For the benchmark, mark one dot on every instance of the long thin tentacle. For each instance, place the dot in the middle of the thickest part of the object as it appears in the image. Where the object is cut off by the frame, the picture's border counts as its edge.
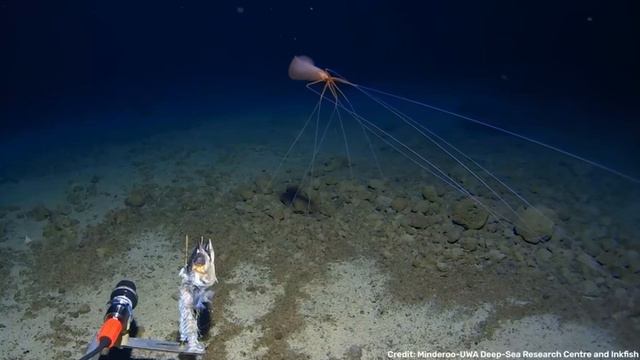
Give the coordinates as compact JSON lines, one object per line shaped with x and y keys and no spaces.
{"x":364,"y":131}
{"x":417,"y":158}
{"x":413,"y":122}
{"x":506,"y":131}
{"x":294,"y":142}
{"x":430,"y":135}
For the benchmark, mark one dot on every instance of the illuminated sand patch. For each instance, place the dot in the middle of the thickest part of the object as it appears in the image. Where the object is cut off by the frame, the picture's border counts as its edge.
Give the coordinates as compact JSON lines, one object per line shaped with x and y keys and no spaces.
{"x":254,"y":297}
{"x":547,"y":333}
{"x":353,"y":312}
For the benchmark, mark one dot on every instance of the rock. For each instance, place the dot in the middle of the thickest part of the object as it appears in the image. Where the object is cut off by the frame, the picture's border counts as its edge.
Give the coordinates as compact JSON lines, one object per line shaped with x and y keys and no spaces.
{"x":241,"y":207}
{"x":92,"y":190}
{"x":564,"y":215}
{"x":608,"y":244}
{"x":420,"y":262}
{"x":211,"y":180}
{"x":64,"y":209}
{"x":617,"y":271}
{"x":383,"y":202}
{"x":468,"y":243}
{"x":315,"y":183}
{"x":560,"y":234}
{"x":429,"y":193}
{"x":407,"y":239}
{"x":634,"y":306}
{"x":76,"y":194}
{"x":419,"y":221}
{"x":276,"y":213}
{"x":534,"y":225}
{"x":60,"y":227}
{"x":263,"y":184}
{"x":442,"y":266}
{"x":245,"y":193}
{"x":620,"y":294}
{"x":422,"y":207}
{"x":190,"y":206}
{"x":608,"y":258}
{"x":493,"y":227}
{"x":336,"y":163}
{"x":330,"y":180}
{"x":190,"y":202}
{"x":567,"y":275}
{"x":83,"y":309}
{"x":39,"y":213}
{"x":590,"y":289}
{"x":631,"y":281}
{"x":327,"y":208}
{"x":588,"y":262}
{"x":363,"y":194}
{"x":353,"y":353}
{"x":301,"y":206}
{"x":496,"y":255}
{"x":376,"y":184}
{"x":298,"y":200}
{"x":542,"y":256}
{"x":120,"y":217}
{"x":457,"y":253}
{"x":399,"y":204}
{"x":453,"y":234}
{"x":437,"y":238}
{"x":630,"y":258}
{"x":347,"y":187}
{"x":136,"y":198}
{"x":591,"y":247}
{"x":469,"y":214}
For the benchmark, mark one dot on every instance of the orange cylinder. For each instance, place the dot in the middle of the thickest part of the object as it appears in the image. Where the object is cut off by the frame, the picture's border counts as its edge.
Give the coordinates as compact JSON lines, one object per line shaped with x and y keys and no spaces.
{"x":111,"y":329}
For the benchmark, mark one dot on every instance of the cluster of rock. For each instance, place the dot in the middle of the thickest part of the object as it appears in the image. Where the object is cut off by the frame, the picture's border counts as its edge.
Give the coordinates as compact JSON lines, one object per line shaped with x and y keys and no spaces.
{"x":79,"y":196}
{"x":461,"y":229}
{"x":137,"y":197}
{"x":438,"y":231}
{"x":466,"y":231}
{"x":59,"y":227}
{"x":3,"y":224}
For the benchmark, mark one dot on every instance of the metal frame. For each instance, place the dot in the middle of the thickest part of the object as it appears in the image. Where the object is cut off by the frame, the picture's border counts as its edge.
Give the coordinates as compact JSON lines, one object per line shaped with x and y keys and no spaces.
{"x":148,"y":344}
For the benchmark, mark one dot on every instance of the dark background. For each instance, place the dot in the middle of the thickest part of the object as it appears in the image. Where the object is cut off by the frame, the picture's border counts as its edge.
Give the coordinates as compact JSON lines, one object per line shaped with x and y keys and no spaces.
{"x":72,"y":60}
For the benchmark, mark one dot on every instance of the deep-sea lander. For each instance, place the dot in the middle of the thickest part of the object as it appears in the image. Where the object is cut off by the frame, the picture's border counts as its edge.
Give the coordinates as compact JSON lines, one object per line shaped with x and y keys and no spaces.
{"x":116,"y":333}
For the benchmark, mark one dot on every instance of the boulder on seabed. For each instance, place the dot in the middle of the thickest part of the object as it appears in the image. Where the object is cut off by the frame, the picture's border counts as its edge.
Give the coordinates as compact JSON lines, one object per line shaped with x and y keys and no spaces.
{"x":377,"y":184}
{"x":39,"y":213}
{"x":469,"y":214}
{"x":429,"y":193}
{"x":137,"y":197}
{"x":399,"y":204}
{"x":420,"y":221}
{"x":263,"y":184}
{"x":535,"y":224}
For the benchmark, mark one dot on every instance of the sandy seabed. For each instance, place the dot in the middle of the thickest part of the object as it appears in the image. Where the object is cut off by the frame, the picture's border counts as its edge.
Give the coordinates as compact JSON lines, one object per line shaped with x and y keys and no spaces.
{"x":377,"y":266}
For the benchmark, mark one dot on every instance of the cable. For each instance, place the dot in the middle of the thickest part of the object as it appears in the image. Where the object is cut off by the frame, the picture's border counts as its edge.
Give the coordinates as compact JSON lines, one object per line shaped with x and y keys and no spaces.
{"x":104,"y":342}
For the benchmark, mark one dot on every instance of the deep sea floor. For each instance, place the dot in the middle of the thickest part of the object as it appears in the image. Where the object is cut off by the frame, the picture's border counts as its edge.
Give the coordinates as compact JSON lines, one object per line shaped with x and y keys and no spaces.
{"x":379,"y":259}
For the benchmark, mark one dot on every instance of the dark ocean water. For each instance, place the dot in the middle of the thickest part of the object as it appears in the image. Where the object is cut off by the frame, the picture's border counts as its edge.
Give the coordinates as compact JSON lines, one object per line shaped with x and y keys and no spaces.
{"x":569,"y":69}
